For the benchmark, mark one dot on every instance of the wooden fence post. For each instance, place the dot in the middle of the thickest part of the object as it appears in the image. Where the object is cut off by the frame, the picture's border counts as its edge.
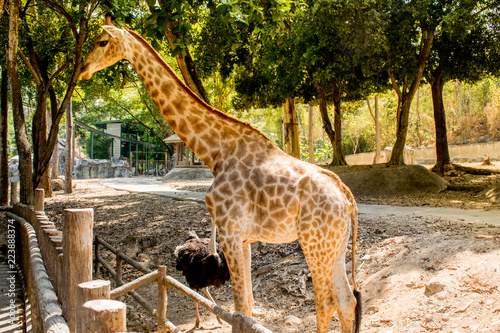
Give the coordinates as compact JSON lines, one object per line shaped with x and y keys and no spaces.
{"x":77,"y":257}
{"x":237,"y":323}
{"x":162,"y":300}
{"x":39,"y":197}
{"x":119,"y":262}
{"x":88,"y":291}
{"x":14,"y":193}
{"x":104,"y":316}
{"x":97,"y":253}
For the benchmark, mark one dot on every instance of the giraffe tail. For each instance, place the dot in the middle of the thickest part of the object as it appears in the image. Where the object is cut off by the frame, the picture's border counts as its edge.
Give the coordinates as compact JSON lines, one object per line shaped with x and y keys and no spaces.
{"x":356,"y":292}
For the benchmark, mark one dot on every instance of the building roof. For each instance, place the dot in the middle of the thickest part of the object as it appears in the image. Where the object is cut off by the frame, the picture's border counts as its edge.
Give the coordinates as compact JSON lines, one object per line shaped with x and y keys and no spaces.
{"x":173,"y":139}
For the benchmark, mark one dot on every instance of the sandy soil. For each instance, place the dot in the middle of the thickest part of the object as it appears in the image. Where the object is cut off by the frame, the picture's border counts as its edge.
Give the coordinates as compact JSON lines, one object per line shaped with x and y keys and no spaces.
{"x":417,"y":274}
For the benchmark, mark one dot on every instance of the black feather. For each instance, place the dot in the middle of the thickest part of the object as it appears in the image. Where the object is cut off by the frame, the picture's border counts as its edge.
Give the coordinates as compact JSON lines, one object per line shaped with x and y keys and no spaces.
{"x":199,"y":267}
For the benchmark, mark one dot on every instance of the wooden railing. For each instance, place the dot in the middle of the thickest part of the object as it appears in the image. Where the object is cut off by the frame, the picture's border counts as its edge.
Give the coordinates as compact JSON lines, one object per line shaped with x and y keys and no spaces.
{"x":239,"y":323}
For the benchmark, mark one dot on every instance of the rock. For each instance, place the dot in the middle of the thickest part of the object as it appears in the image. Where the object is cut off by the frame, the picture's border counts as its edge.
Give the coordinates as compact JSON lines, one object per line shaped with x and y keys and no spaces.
{"x":437,"y":285}
{"x":366,"y":257}
{"x":371,"y":309}
{"x":264,"y":269}
{"x":433,"y":288}
{"x":491,"y":193}
{"x":131,"y":247}
{"x":292,"y":321}
{"x":115,"y":167}
{"x":57,"y":184}
{"x":143,"y":259}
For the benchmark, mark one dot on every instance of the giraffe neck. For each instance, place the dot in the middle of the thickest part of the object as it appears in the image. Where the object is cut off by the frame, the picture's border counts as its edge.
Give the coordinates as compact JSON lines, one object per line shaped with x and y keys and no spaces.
{"x":209,"y":133}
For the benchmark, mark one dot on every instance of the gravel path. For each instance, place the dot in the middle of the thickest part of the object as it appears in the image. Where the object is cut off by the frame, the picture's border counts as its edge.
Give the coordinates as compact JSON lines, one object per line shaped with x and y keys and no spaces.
{"x":168,"y":189}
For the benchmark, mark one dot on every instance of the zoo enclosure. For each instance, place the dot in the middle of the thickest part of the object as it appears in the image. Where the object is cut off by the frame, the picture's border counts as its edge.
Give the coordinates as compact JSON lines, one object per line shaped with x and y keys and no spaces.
{"x":58,"y":270}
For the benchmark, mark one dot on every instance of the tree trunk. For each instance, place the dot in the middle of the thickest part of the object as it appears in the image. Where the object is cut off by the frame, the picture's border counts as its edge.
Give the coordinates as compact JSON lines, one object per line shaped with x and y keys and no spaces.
{"x":188,"y":70}
{"x":461,"y":105}
{"x":442,"y":153}
{"x":55,"y":162}
{"x":338,"y":150}
{"x":40,"y":123}
{"x":287,"y":147}
{"x":470,"y":102}
{"x":311,"y":139}
{"x":4,"y":130}
{"x":55,"y":152}
{"x":23,"y":144}
{"x":405,"y":97}
{"x":323,"y":110}
{"x":291,"y":127}
{"x":417,"y":109}
{"x":397,"y":157}
{"x":374,"y":115}
{"x":185,"y":62}
{"x":68,"y":184}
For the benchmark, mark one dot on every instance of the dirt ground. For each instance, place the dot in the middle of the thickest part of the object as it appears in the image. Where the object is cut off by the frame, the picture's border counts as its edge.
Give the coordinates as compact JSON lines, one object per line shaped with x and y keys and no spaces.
{"x":416,"y":273}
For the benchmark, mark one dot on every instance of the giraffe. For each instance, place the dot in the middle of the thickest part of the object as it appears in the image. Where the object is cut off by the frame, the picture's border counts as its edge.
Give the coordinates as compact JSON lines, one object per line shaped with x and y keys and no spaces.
{"x":259,"y":193}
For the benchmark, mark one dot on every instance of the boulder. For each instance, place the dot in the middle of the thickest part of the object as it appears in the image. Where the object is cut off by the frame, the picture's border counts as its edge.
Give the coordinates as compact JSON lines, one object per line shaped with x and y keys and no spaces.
{"x":57,"y":184}
{"x":381,"y":179}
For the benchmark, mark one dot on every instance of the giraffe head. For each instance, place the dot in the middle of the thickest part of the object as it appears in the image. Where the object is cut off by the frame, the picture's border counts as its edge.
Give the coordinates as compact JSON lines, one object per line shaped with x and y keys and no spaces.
{"x":108,"y":49}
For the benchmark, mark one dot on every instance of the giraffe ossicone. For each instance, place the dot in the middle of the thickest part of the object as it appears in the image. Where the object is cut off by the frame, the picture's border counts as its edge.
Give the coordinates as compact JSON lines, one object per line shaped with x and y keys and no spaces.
{"x":259,"y":193}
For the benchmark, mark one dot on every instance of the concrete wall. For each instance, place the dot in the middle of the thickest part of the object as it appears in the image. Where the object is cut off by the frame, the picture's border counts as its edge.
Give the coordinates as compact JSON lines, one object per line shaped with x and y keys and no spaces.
{"x":475,"y":152}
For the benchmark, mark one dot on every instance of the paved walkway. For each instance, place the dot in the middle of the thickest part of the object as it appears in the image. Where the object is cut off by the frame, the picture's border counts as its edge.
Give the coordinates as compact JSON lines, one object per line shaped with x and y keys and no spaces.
{"x":152,"y":186}
{"x":155,"y":186}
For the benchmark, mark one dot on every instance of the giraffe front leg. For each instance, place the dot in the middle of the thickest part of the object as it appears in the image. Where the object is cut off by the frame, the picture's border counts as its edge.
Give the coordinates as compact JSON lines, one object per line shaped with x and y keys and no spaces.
{"x":247,"y":252}
{"x":235,"y":257}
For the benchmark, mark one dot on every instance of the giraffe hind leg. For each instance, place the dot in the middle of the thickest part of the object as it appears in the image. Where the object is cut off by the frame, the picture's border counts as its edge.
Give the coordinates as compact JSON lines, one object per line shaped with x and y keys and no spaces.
{"x":324,"y":298}
{"x":349,"y":302}
{"x":322,"y":270}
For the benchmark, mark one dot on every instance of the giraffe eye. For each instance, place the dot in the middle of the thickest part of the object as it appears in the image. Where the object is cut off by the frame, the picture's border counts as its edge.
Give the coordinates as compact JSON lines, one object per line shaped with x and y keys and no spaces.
{"x":103,"y":43}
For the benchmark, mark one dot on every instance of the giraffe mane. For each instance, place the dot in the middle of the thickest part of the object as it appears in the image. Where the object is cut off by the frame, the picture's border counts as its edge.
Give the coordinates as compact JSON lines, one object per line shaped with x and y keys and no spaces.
{"x":188,"y":90}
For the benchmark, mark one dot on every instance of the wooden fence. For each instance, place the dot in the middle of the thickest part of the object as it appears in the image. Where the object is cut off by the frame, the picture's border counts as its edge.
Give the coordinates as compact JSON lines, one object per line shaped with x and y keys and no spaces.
{"x":58,"y":275}
{"x":239,"y":323}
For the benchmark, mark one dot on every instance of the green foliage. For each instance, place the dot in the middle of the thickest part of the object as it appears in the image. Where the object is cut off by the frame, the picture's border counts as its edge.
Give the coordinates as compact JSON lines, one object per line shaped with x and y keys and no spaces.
{"x":462,"y":47}
{"x":251,"y":55}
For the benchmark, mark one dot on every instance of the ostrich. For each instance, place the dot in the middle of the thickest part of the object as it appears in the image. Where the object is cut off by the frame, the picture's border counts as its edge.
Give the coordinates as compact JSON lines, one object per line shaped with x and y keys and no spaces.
{"x":200,"y":268}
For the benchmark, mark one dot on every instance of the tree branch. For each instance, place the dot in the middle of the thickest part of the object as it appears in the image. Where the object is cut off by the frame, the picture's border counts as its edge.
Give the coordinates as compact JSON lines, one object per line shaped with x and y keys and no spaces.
{"x":132,"y":115}
{"x":370,"y":108}
{"x":394,"y":83}
{"x":28,"y":64}
{"x":155,"y":118}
